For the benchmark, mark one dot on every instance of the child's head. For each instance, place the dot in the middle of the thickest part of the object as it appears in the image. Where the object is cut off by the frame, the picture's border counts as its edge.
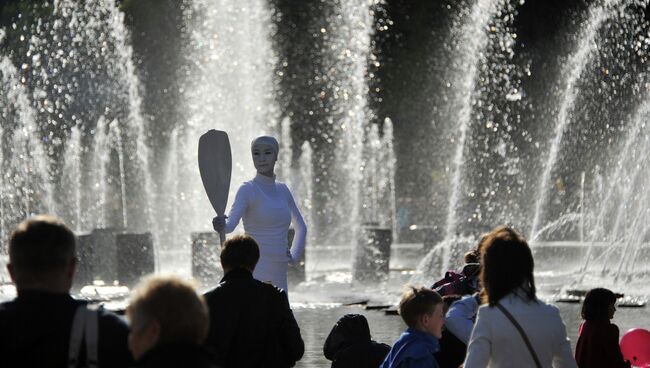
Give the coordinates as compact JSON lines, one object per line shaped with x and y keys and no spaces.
{"x":165,"y":309}
{"x":422,"y":309}
{"x":599,"y":305}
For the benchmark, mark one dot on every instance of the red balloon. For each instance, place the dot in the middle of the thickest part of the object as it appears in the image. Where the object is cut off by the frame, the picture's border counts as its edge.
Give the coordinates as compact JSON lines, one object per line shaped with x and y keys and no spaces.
{"x":635,"y":346}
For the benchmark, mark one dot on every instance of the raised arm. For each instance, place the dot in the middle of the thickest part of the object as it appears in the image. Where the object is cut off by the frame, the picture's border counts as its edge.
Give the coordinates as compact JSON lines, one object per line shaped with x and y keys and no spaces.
{"x":299,"y":239}
{"x":460,"y":318}
{"x":562,"y":355}
{"x":480,"y":343}
{"x":239,"y":206}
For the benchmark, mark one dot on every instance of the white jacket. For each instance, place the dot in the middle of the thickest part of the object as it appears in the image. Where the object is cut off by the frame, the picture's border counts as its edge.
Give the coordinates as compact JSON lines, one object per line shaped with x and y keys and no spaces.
{"x":496,"y":343}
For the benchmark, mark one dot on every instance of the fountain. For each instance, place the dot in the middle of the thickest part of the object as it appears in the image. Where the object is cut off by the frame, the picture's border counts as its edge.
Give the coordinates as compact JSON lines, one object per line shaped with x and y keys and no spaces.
{"x":573,"y":70}
{"x":76,"y":141}
{"x":476,"y":25}
{"x":26,"y":185}
{"x":625,"y":234}
{"x":544,"y":129}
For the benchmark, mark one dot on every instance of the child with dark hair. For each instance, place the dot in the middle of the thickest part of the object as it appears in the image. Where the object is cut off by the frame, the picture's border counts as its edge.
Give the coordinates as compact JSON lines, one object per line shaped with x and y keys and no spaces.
{"x":422,"y":311}
{"x":349,"y":344}
{"x":597,"y":337}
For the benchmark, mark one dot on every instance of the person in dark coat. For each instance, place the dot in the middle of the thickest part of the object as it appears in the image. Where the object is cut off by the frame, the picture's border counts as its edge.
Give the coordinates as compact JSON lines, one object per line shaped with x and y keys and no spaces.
{"x":349,"y":344}
{"x":251,"y":322}
{"x":598,"y":338}
{"x":176,"y":356}
{"x":35,"y":326}
{"x":169,"y":322}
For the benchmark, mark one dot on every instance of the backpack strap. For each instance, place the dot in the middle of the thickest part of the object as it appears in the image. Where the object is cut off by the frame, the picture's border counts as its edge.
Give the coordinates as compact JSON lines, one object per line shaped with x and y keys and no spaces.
{"x":522,"y":333}
{"x":91,"y":334}
{"x":85,"y":327}
{"x":76,"y":336}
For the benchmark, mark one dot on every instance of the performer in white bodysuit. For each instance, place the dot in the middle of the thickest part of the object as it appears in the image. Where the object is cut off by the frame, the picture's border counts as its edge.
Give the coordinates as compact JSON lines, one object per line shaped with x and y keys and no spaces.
{"x":267,"y":209}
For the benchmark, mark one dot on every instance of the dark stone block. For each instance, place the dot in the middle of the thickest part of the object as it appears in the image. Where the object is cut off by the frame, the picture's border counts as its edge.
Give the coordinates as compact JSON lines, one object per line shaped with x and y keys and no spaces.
{"x":206,"y":265}
{"x":104,"y":253}
{"x":111,"y":255}
{"x":135,"y":257}
{"x":372,"y":256}
{"x":86,"y":261}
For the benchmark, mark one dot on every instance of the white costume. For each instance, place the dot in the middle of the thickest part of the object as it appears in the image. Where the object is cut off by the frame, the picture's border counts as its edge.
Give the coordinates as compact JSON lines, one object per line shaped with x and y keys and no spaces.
{"x":267,"y":209}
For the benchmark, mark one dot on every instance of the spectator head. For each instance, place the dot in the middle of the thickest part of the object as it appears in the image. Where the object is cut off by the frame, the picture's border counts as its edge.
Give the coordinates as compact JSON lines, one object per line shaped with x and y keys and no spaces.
{"x":165,"y":309}
{"x":481,"y":243}
{"x":349,"y":330}
{"x":599,"y":305}
{"x":422,"y":309}
{"x":240,"y":251}
{"x":506,"y":265}
{"x":471,"y":257}
{"x":42,"y":255}
{"x":474,"y":255}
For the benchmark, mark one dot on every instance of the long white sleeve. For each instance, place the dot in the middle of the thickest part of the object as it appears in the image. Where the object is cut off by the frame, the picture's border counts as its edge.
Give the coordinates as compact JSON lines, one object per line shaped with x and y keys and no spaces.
{"x":300,"y":237}
{"x":497,"y":343}
{"x":562,"y":355}
{"x":480,"y":344}
{"x":460,"y":318}
{"x":239,"y":206}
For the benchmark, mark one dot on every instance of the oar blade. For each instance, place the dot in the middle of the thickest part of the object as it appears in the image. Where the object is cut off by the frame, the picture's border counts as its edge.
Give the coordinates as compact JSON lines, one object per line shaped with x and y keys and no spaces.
{"x":215,"y":165}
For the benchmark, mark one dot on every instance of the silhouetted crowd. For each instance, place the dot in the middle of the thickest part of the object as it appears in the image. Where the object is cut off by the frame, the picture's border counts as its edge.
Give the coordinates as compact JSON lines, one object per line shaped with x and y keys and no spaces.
{"x":487,"y":315}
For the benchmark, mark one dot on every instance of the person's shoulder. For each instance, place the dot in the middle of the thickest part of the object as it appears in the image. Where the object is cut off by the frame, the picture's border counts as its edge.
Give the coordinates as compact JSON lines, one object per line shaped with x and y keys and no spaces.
{"x":486,"y":309}
{"x":547,"y":314}
{"x":112,"y":319}
{"x":283,"y":186}
{"x":246,"y":185}
{"x":7,"y":305}
{"x":379,"y":346}
{"x":270,"y":288}
{"x":548,"y":308}
{"x":212,"y":292}
{"x":233,"y":286}
{"x":272,"y":292}
{"x":418,"y":350}
{"x":218,"y":291}
{"x":491,"y":315}
{"x":7,"y":310}
{"x":613,"y":328}
{"x":113,"y":337}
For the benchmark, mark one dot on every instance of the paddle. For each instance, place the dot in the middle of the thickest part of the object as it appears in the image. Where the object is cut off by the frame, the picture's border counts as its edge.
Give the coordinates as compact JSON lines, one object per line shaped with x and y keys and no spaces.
{"x":215,"y":165}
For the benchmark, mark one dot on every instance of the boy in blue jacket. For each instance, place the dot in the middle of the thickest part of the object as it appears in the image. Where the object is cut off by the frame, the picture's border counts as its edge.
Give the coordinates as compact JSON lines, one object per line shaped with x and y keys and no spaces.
{"x":421,"y":310}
